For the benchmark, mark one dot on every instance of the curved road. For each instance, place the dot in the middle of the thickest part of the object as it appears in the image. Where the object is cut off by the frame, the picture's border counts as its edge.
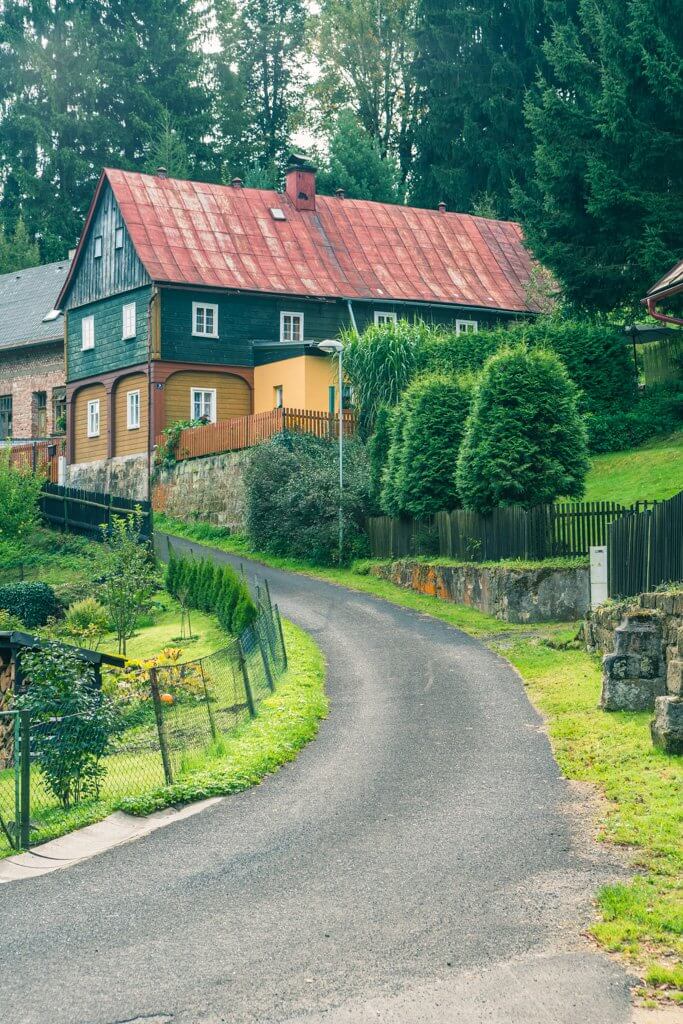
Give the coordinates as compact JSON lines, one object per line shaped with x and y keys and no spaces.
{"x":417,"y":864}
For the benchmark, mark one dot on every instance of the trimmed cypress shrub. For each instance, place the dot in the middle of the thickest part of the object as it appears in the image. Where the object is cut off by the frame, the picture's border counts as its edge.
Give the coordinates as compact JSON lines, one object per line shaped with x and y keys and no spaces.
{"x":438,"y":409}
{"x":389,"y":497}
{"x":245,"y":611}
{"x":525,"y":442}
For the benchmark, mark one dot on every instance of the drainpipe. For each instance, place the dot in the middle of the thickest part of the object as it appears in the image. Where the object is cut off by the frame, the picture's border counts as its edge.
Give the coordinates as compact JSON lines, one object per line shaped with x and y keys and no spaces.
{"x":149,"y":396}
{"x":651,"y":304}
{"x":351,"y":316}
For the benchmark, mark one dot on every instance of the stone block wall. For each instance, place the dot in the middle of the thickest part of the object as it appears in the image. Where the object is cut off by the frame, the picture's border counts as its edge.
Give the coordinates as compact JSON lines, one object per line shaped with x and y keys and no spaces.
{"x":125,"y":476}
{"x":513,"y":595}
{"x":209,"y":489}
{"x":643,"y":669}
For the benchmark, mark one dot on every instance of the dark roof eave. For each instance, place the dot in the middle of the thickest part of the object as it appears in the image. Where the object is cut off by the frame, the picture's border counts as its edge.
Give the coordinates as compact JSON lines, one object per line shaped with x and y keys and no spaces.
{"x":422,"y":303}
{"x":12,"y":346}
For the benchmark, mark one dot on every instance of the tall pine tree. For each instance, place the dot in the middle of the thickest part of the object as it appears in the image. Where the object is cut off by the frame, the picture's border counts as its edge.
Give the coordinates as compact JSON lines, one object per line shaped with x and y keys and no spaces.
{"x":604,"y":210}
{"x":80,"y":85}
{"x":366,"y":52}
{"x":260,"y":78}
{"x":475,"y":63}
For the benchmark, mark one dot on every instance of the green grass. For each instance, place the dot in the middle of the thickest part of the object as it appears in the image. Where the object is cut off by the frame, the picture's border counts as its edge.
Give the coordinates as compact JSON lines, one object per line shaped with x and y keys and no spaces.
{"x":165,"y":631}
{"x":643,"y":788}
{"x":286,"y":721}
{"x":654,"y":471}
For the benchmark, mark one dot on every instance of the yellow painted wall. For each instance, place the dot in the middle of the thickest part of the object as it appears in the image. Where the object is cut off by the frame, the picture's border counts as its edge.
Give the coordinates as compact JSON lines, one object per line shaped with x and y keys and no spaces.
{"x":233,"y":395}
{"x":90,"y":449}
{"x":305,"y":381}
{"x":128,"y":442}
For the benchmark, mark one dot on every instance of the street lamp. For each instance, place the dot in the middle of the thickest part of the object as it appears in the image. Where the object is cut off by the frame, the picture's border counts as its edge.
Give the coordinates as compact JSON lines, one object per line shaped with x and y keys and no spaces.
{"x":332,"y":346}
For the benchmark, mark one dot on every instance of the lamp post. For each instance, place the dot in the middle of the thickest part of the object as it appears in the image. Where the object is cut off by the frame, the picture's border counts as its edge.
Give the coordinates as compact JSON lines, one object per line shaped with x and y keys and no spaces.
{"x":332,"y":346}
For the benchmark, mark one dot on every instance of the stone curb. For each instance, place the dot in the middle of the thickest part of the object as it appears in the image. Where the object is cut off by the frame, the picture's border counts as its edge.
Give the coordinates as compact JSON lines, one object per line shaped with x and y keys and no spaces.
{"x":87,"y":842}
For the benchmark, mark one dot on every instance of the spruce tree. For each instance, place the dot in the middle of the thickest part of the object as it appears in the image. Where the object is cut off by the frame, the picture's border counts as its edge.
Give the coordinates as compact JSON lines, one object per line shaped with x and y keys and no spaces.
{"x":475,"y":63}
{"x":525,"y":442}
{"x":604,"y":208}
{"x":19,"y":250}
{"x":354,"y":163}
{"x":439,"y":406}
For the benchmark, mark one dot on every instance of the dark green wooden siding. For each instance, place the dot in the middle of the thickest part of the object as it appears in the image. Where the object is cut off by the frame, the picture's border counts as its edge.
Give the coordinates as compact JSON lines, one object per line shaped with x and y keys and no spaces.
{"x":111,"y":352}
{"x":243,"y":319}
{"x":116,"y":270}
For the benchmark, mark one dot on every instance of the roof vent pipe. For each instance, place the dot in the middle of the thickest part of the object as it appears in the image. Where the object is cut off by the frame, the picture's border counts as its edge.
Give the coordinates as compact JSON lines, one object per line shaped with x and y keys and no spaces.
{"x":162,"y":172}
{"x":340,"y":193}
{"x":441,"y":207}
{"x":237,"y":183}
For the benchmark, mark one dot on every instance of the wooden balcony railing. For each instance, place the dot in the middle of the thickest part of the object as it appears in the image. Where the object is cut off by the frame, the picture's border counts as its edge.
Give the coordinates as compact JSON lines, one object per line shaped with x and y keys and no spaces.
{"x":246,"y":431}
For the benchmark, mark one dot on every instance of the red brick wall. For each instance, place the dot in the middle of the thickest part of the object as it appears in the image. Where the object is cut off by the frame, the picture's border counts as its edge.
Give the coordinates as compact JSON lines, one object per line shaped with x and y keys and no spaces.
{"x":28,"y":370}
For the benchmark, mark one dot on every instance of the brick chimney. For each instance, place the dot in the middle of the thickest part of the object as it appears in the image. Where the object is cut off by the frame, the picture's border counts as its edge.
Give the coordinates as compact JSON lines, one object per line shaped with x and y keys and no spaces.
{"x":300,"y":182}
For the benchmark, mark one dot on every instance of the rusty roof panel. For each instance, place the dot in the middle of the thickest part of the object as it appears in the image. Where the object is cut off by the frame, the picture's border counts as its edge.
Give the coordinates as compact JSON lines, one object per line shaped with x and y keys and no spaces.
{"x":217,"y":236}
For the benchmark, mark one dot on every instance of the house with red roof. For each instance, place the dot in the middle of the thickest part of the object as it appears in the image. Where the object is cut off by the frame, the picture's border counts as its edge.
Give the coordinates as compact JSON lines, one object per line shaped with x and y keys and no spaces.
{"x":190,"y":300}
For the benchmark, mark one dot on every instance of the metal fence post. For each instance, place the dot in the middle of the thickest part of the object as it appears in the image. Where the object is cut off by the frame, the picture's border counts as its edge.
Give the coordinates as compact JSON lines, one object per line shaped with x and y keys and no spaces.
{"x":282,"y":635}
{"x":264,"y":657}
{"x":161,"y":726}
{"x":25,"y":780}
{"x":245,"y":676}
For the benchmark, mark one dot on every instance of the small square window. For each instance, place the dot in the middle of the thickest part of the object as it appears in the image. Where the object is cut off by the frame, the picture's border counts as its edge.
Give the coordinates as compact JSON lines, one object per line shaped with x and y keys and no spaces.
{"x":466,"y":326}
{"x":118,"y":238}
{"x":205,"y":320}
{"x":87,"y":332}
{"x":278,"y":396}
{"x":203,"y":404}
{"x":291,"y":327}
{"x":94,"y":418}
{"x":133,"y":407}
{"x":383,"y":316}
{"x":97,"y":251}
{"x":128,"y":315}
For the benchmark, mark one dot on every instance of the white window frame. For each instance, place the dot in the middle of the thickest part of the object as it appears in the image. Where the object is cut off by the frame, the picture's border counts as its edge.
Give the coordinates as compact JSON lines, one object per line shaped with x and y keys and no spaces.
{"x":384,"y":316}
{"x":128,"y":321}
{"x":300,"y":318}
{"x":118,"y":238}
{"x":279,"y":396}
{"x":133,"y":406}
{"x":98,"y":245}
{"x":87,"y":333}
{"x":196,"y":306}
{"x":203,"y":391}
{"x":92,"y":413}
{"x":466,"y":326}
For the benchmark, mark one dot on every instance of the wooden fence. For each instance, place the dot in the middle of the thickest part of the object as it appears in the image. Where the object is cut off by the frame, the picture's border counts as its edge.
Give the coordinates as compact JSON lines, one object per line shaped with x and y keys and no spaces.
{"x":246,"y":431}
{"x":39,"y":456}
{"x":87,"y":512}
{"x":645,"y":549}
{"x":566,"y":529}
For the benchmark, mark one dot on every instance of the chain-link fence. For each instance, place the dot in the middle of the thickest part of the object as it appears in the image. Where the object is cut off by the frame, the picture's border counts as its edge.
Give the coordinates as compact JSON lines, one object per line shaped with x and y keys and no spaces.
{"x":64,"y":771}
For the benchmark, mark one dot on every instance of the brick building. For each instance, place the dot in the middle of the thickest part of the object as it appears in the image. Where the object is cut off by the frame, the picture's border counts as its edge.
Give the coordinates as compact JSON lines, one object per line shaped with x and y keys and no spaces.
{"x":32,"y":374}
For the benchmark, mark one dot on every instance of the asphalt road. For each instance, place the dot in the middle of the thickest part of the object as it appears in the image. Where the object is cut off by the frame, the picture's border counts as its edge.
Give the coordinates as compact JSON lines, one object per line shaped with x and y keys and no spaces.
{"x":419,"y":863}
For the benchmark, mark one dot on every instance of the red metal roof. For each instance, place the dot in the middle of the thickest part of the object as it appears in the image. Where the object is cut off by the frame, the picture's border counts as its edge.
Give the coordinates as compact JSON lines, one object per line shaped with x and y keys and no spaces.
{"x":189,"y":232}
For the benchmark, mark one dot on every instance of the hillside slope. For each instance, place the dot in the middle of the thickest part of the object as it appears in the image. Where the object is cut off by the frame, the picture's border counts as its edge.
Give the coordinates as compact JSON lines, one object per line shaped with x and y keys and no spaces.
{"x":654,"y":471}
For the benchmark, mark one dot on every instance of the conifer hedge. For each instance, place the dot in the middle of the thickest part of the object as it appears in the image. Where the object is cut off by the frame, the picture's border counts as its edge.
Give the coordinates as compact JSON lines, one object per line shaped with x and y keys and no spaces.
{"x":200,"y":583}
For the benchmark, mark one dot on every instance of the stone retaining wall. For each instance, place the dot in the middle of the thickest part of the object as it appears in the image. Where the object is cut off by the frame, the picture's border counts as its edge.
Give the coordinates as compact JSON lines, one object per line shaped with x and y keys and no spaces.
{"x":513,"y":595}
{"x":124,"y":476}
{"x":210,"y":489}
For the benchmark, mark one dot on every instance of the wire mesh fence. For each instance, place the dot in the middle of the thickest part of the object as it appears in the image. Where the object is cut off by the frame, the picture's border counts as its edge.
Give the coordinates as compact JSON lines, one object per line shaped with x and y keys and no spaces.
{"x":63,"y":771}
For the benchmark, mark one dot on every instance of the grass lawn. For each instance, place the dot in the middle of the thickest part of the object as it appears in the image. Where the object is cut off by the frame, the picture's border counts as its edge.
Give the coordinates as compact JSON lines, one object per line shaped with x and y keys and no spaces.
{"x":163,"y":629}
{"x":643,"y":788}
{"x":654,"y":471}
{"x":237,"y":759}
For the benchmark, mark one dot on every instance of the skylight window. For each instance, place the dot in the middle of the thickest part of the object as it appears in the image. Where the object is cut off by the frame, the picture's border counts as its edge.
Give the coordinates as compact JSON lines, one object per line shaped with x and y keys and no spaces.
{"x":277,"y":214}
{"x":54,"y":314}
